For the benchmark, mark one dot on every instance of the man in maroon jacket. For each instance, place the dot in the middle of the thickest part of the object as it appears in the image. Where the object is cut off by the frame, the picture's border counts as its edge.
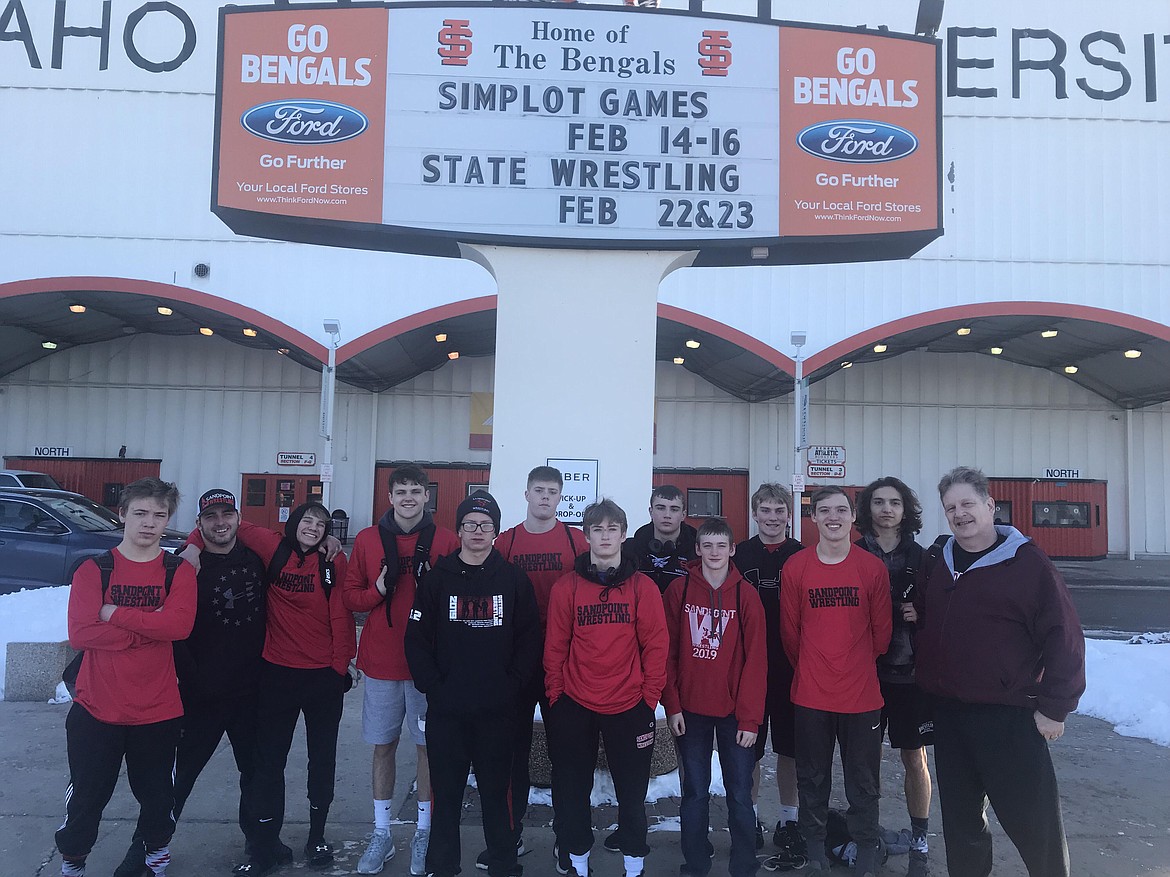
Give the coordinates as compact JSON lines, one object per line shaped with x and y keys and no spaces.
{"x":716,"y":682}
{"x":127,"y":704}
{"x":1001,"y":649}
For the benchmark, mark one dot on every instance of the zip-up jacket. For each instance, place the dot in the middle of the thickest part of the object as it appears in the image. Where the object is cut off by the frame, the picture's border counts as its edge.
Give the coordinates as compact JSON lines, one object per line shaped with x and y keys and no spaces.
{"x":380,"y":652}
{"x":473,"y":638}
{"x":760,"y":564}
{"x":128,"y":674}
{"x":835,"y":621}
{"x":903,"y":566}
{"x":717,"y":664}
{"x":1005,"y":631}
{"x":606,"y":641}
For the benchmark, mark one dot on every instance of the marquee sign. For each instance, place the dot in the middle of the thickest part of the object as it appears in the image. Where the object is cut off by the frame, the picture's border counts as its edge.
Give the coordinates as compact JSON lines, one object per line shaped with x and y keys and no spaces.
{"x":415,"y":128}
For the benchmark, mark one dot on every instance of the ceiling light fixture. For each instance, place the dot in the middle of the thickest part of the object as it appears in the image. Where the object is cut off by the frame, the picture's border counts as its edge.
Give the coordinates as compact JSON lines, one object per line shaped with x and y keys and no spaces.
{"x":204,"y":330}
{"x":693,"y":344}
{"x":77,"y":309}
{"x":963,"y":330}
{"x":164,"y":310}
{"x":996,"y":351}
{"x":879,"y":348}
{"x":49,"y":345}
{"x":454,"y":354}
{"x":251,"y":333}
{"x":1049,"y":333}
{"x":846,"y":364}
{"x":440,"y":337}
{"x":1132,"y":354}
{"x":1070,"y":369}
{"x":678,"y":360}
{"x":283,"y":351}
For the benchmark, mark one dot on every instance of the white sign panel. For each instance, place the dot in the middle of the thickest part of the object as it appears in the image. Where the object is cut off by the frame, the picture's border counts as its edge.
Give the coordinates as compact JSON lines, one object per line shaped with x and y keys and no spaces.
{"x":580,"y":488}
{"x":1062,"y":473}
{"x":816,"y":471}
{"x":295,"y":458}
{"x":326,"y":473}
{"x":52,"y":451}
{"x":827,"y":454}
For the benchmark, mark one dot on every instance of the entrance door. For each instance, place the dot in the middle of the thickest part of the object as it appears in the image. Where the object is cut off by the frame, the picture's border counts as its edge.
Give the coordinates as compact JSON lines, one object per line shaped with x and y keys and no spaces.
{"x":269,"y":499}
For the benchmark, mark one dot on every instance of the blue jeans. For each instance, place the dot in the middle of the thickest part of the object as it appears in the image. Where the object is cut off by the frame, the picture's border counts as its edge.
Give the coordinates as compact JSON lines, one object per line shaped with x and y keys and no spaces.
{"x":737,"y":763}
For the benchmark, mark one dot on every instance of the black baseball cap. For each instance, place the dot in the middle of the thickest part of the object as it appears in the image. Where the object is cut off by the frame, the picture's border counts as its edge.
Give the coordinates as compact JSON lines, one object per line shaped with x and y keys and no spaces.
{"x":217,"y":496}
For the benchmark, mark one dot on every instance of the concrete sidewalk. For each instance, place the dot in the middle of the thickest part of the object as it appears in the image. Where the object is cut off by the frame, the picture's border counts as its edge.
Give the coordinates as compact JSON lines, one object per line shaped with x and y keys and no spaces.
{"x":1114,"y":791}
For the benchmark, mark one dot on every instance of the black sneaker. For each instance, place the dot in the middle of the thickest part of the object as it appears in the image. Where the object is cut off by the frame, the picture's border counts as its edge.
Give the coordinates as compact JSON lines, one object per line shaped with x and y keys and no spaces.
{"x":319,"y":853}
{"x":564,"y":863}
{"x":134,"y":862}
{"x":788,"y":838}
{"x":759,"y":835}
{"x":611,"y":843}
{"x":481,"y":861}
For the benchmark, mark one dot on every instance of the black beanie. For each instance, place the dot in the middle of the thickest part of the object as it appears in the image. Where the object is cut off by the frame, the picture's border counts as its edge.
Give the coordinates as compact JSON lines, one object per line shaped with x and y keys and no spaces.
{"x":480,"y":501}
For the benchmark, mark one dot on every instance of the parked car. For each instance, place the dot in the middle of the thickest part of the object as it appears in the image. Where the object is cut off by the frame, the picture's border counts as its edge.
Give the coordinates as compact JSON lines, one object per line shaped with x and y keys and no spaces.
{"x":25,"y":478}
{"x":46,"y":534}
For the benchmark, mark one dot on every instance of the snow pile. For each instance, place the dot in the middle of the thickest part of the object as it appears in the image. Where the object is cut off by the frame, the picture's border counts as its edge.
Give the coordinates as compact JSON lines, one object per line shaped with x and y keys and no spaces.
{"x":1129,"y":686}
{"x":32,"y":616}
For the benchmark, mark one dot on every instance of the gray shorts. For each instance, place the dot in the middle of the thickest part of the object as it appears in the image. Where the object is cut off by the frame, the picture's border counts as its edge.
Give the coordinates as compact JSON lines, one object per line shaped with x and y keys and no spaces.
{"x":385,"y":703}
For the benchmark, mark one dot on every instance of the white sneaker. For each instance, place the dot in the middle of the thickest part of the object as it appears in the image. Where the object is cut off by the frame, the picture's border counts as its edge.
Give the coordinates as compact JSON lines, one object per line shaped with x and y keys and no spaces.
{"x":377,"y":854}
{"x":418,"y":852}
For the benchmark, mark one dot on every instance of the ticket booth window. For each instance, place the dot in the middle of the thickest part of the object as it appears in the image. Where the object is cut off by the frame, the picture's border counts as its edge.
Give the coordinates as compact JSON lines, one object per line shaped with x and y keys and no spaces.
{"x":704,"y":503}
{"x":473,"y":487}
{"x":1003,"y":513}
{"x":1060,"y":514}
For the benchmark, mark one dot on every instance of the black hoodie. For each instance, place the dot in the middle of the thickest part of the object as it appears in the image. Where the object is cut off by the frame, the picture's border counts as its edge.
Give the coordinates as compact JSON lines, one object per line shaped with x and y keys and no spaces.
{"x":473,"y":641}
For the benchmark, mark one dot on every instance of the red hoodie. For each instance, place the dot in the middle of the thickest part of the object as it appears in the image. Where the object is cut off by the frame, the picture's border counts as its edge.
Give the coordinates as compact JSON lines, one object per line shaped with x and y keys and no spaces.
{"x":835,"y":620}
{"x":303,"y":631}
{"x":128,"y":674}
{"x":718,"y":662}
{"x":381,"y":653}
{"x":605,"y":645}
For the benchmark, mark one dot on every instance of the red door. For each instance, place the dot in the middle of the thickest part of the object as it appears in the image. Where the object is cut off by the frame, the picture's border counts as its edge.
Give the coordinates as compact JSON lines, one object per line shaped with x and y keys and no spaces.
{"x":267,"y":500}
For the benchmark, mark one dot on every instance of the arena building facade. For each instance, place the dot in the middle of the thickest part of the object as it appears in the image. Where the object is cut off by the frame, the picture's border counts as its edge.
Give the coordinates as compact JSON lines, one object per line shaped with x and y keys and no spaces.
{"x":1056,"y":190}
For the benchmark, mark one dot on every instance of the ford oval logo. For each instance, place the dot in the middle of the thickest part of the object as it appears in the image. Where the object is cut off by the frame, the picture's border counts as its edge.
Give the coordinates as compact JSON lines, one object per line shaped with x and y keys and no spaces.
{"x":304,"y":121}
{"x":857,"y":141}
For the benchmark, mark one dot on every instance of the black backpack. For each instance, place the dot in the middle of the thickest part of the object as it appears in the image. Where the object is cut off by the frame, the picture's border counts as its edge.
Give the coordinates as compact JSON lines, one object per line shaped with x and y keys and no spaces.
{"x":105,"y":565}
{"x":420,"y":563}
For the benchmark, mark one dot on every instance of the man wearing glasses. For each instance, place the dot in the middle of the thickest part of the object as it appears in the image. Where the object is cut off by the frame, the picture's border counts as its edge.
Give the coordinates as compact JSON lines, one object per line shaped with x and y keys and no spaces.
{"x":473,"y":645}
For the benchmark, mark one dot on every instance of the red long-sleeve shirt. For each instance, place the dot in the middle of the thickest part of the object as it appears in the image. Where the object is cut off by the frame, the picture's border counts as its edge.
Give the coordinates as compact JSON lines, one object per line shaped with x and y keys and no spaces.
{"x":128,"y":674}
{"x":381,"y":653}
{"x":545,"y":557}
{"x":835,"y":619}
{"x":606,"y":654}
{"x":718,"y":661}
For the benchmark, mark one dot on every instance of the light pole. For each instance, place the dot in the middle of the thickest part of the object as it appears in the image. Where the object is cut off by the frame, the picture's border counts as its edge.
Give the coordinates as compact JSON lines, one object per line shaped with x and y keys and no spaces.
{"x":799,"y":431}
{"x":328,"y":387}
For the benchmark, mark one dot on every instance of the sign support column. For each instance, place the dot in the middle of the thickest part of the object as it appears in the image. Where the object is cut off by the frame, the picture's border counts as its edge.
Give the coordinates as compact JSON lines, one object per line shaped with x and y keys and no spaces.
{"x":575,"y":342}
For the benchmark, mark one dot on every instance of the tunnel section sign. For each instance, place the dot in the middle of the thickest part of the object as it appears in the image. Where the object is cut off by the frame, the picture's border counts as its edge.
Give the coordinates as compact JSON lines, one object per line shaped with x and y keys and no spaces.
{"x":414,"y":128}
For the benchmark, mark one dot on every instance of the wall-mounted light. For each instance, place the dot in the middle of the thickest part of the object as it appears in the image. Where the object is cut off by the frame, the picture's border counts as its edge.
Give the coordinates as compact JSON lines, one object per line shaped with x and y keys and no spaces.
{"x":759,"y":252}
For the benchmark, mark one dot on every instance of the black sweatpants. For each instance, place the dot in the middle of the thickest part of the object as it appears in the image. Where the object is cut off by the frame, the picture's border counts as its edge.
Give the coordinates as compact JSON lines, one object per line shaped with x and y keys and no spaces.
{"x":522,"y":747}
{"x":204,"y":724}
{"x":860,"y":738}
{"x":286,"y":693}
{"x":573,"y":733}
{"x":455,"y":744}
{"x":991,"y":751}
{"x":96,"y":750}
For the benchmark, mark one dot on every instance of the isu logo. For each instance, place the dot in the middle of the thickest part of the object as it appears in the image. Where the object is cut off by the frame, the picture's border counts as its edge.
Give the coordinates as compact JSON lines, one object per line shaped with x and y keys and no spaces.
{"x":715,"y":53}
{"x":455,"y":42}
